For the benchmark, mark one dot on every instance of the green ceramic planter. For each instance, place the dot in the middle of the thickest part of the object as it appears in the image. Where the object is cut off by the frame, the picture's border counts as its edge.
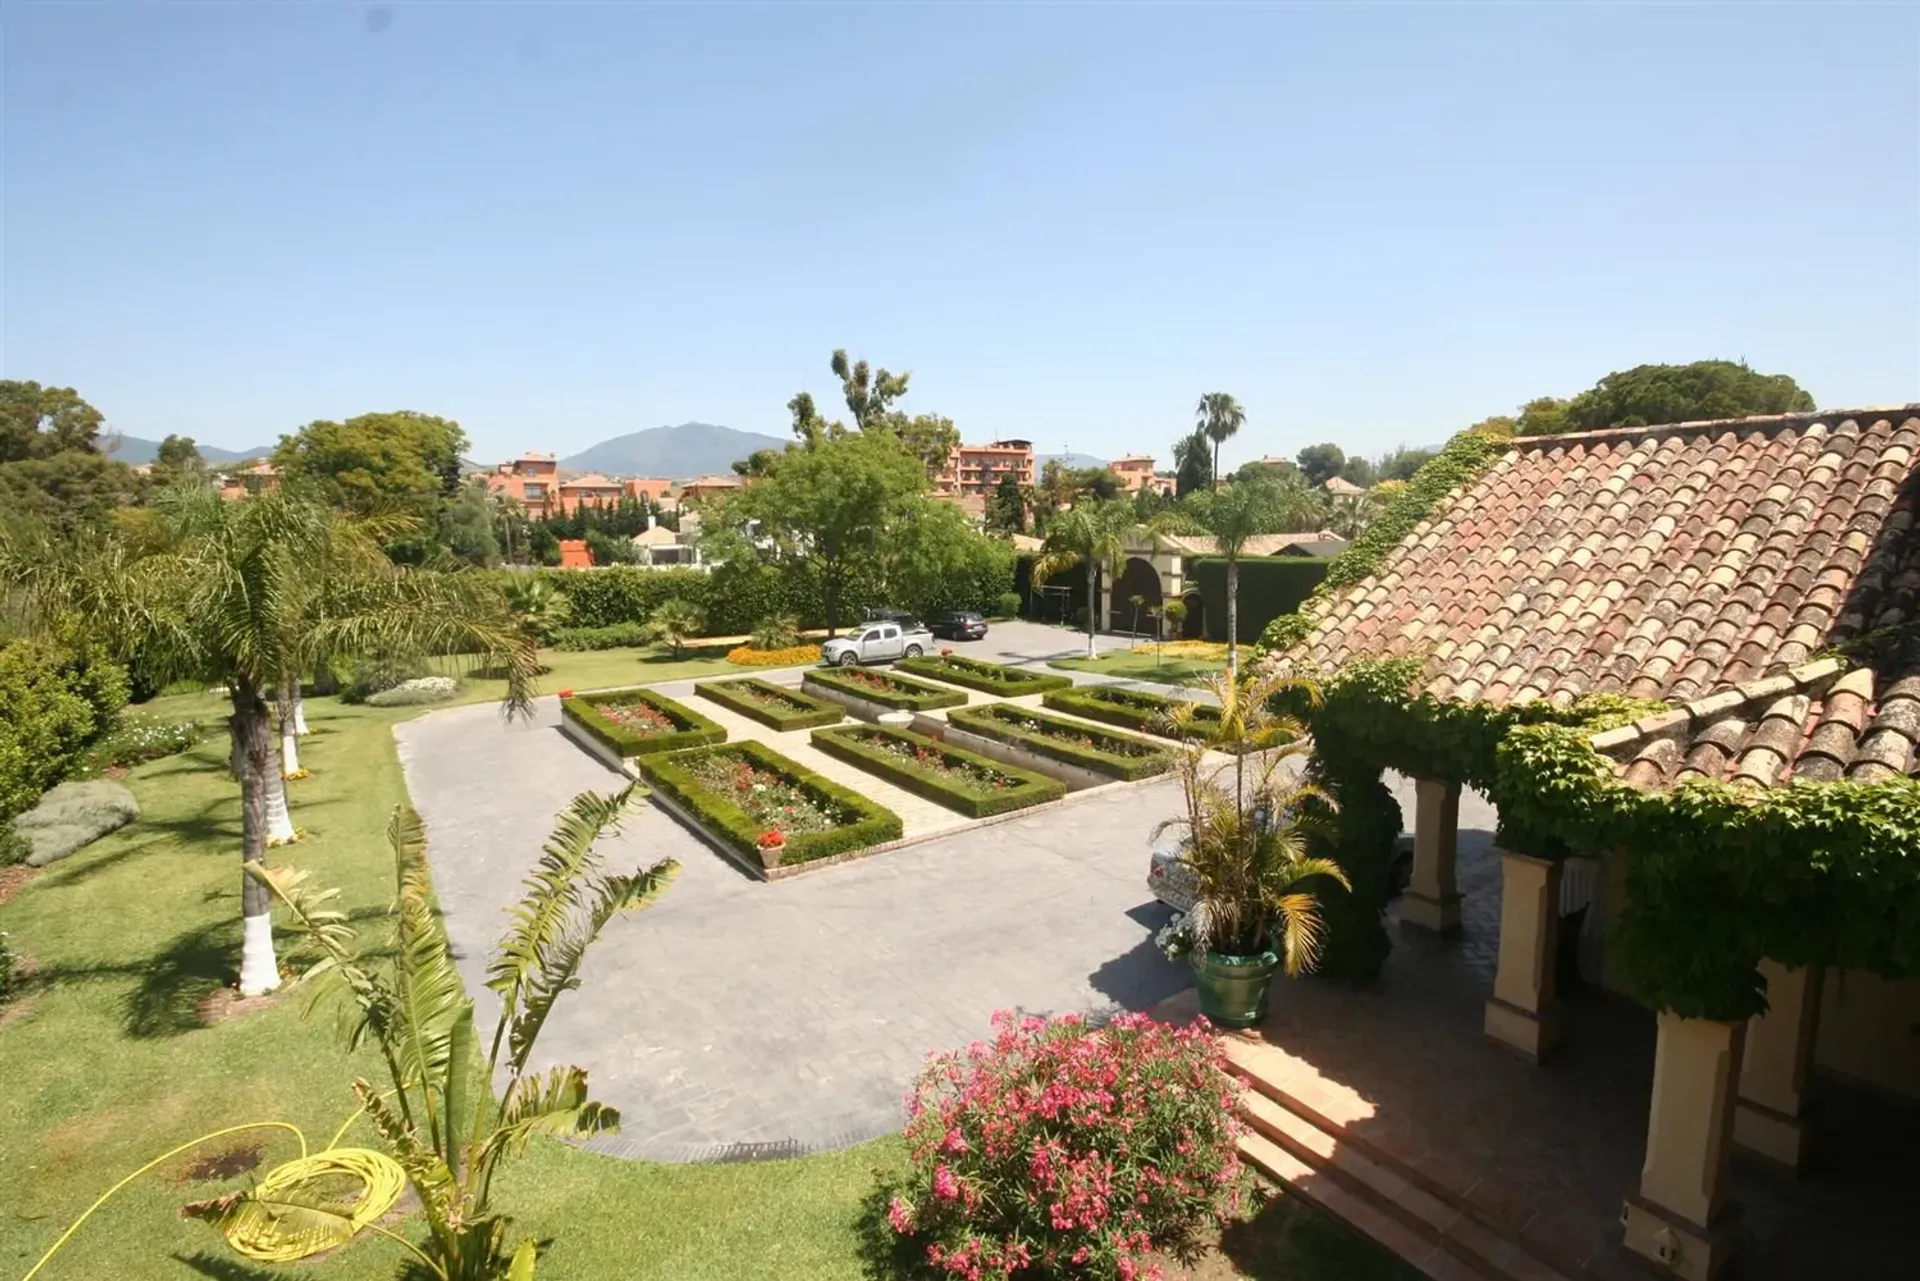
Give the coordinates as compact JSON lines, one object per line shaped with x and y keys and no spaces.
{"x":1233,"y":989}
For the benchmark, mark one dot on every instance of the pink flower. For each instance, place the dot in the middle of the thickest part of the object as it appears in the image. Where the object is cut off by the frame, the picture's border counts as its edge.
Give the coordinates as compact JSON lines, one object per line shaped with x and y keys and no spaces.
{"x":944,"y":1185}
{"x":900,"y":1215}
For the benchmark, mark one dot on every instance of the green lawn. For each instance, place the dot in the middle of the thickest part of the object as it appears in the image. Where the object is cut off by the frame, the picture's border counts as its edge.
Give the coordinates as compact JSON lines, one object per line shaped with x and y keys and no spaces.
{"x":607,"y":668}
{"x":105,"y":1063}
{"x":1144,"y":665}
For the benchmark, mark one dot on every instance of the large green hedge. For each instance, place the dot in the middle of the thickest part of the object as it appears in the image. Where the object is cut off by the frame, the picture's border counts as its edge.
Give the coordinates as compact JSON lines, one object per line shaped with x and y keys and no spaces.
{"x":989,"y":678}
{"x":807,"y":710}
{"x":1269,"y":587}
{"x":903,"y":695}
{"x":1118,"y":755}
{"x":53,"y":707}
{"x":869,"y":824}
{"x":854,"y":744}
{"x":692,"y":729}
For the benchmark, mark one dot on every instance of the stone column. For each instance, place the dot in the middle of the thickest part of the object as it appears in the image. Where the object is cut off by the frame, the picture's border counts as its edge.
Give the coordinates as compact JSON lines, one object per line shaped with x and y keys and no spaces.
{"x":1680,"y":1217}
{"x":1432,"y":900}
{"x":1613,"y":901}
{"x":1524,"y":1014}
{"x":1769,"y":1118}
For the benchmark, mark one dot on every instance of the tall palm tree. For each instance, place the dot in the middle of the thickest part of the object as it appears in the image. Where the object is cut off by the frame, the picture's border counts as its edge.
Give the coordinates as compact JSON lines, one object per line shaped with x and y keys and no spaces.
{"x":1089,"y":535}
{"x":1220,"y":416}
{"x":243,"y":593}
{"x":1234,"y":514}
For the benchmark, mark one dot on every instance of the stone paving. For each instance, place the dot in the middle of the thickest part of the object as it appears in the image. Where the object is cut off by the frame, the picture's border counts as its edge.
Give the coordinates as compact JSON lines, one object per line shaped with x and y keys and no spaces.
{"x":741,"y":1018}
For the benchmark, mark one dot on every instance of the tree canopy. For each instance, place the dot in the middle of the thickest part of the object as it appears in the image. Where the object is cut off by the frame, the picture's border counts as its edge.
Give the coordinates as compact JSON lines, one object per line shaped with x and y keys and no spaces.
{"x":39,"y":422}
{"x":1652,"y":395}
{"x":1321,"y":463}
{"x":400,"y":462}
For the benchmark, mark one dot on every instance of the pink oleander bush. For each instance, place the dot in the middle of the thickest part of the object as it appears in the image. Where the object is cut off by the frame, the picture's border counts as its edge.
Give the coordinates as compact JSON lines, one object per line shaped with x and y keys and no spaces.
{"x":1067,"y":1150}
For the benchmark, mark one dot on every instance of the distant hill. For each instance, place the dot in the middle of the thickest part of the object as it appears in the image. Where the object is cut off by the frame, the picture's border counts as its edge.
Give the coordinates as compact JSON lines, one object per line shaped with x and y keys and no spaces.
{"x":1068,"y":460}
{"x":675,"y":453}
{"x":135,"y":450}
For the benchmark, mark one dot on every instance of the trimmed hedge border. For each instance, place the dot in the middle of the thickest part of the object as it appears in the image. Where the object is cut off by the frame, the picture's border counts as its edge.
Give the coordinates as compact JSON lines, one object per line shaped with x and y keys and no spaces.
{"x":739,"y":831}
{"x":988,"y":678}
{"x":1032,"y":789}
{"x":1131,"y":709}
{"x":914,"y":696}
{"x":820,"y":711}
{"x":695,"y":730}
{"x":988,"y":722}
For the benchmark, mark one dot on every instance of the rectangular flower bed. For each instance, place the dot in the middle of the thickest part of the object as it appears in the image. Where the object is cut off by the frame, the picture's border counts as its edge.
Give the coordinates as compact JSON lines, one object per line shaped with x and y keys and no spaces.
{"x":1132,"y":709}
{"x":1116,"y":755}
{"x":772,"y":705}
{"x":639,"y":722}
{"x":739,"y":792}
{"x":954,"y":778}
{"x":990,"y":678}
{"x":900,"y":693}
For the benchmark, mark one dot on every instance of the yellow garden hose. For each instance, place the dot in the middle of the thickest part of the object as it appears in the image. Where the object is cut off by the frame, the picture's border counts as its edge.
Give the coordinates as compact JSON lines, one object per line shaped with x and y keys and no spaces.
{"x":257,"y":1233}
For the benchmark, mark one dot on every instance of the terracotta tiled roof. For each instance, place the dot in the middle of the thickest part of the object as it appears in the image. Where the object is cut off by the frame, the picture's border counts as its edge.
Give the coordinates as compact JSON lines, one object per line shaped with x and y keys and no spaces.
{"x":1342,"y":487}
{"x":1661,"y":562}
{"x":1823,"y":722}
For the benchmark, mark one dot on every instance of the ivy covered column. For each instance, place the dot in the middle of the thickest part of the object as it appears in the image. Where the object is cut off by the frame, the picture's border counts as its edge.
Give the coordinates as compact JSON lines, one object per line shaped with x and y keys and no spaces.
{"x":1524,"y":1013}
{"x":1432,"y":900}
{"x":1770,"y":1115}
{"x":1680,"y":1218}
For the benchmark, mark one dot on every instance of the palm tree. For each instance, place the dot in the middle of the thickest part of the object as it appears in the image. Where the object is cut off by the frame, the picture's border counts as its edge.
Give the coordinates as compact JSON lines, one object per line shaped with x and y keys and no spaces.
{"x":1219,"y":416}
{"x":1092,"y":535}
{"x":674,"y":623}
{"x":1233,"y":514}
{"x":1246,"y":845}
{"x":242,"y":594}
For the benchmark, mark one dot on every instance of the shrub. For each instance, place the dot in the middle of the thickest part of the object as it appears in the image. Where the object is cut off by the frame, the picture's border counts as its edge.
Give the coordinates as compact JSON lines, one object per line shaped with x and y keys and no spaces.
{"x":422,"y":689}
{"x":614,"y":636}
{"x":1069,"y":1151}
{"x":990,"y":678}
{"x":794,"y":656}
{"x":9,"y":968}
{"x":136,"y":742}
{"x":1007,"y":605}
{"x":772,"y":705}
{"x":74,"y":815}
{"x":373,"y":675}
{"x":781,"y":631}
{"x":53,"y":706}
{"x":1121,"y":756}
{"x":734,"y":827}
{"x":886,"y":689}
{"x":950,"y":776}
{"x":597,"y":715}
{"x":14,"y":847}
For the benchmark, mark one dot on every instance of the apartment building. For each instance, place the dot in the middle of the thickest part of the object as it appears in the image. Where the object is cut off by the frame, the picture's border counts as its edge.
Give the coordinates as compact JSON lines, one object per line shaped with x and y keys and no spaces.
{"x":532,"y":480}
{"x":977,"y":469}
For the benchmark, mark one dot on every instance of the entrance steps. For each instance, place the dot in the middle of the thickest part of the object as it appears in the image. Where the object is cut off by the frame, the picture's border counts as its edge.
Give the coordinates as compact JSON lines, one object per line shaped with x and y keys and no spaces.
{"x":1320,"y":1160}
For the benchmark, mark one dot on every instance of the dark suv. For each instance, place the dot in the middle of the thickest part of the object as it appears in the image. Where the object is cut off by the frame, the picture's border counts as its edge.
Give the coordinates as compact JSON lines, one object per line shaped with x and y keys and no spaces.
{"x":958,"y":625}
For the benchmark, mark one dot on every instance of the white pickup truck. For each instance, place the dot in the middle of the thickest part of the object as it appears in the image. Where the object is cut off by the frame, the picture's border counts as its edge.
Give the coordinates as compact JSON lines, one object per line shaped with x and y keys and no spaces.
{"x":880,"y":642}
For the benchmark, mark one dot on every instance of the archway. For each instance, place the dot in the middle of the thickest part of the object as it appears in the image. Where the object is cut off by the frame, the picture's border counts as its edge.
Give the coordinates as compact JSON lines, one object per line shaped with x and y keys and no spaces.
{"x":1195,"y":628}
{"x":1141,"y":579}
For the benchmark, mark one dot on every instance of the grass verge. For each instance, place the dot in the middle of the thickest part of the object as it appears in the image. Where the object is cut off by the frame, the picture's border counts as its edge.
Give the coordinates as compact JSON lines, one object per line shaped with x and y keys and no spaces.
{"x":1145,"y":664}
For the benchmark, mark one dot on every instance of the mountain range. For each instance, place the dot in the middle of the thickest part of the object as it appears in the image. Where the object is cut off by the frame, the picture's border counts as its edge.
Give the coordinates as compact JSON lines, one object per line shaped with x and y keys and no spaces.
{"x":674,"y":453}
{"x":132,"y":449}
{"x":1067,"y":460}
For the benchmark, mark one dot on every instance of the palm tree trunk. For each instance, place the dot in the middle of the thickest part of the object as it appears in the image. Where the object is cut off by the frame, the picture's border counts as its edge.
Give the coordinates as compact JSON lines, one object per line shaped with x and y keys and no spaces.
{"x":253,"y":753}
{"x":1093,"y":605}
{"x":287,"y":695}
{"x":1233,"y":617}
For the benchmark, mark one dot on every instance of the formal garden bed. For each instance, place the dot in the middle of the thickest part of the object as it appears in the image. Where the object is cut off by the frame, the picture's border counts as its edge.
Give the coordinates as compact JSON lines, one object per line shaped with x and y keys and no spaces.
{"x":1120,"y":756}
{"x":1135,"y":709}
{"x":957,"y":779}
{"x":773,"y":812}
{"x":772,"y":705}
{"x":891,"y":692}
{"x":989,"y":678}
{"x":638,"y":722}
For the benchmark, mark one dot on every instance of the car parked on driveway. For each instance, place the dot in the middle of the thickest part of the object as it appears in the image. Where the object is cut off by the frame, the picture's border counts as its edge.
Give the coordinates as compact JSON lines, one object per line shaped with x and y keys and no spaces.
{"x":877,"y":643}
{"x":959,"y":624}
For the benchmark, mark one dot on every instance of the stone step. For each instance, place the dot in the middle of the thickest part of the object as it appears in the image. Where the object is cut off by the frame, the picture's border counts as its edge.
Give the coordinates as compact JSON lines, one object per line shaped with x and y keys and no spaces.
{"x":1357,"y":1210}
{"x":1420,"y":1204}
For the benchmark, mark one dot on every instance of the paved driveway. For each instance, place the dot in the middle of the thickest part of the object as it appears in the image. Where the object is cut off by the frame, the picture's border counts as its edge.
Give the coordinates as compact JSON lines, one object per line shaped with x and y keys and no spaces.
{"x":748,"y":1018}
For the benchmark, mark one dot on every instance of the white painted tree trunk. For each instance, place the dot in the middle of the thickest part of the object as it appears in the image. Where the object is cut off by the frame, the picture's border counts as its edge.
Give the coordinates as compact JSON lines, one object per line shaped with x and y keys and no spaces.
{"x":259,"y":970}
{"x":259,"y":780}
{"x":1093,"y":606}
{"x":290,"y":748}
{"x":279,"y":821}
{"x":299,"y":712}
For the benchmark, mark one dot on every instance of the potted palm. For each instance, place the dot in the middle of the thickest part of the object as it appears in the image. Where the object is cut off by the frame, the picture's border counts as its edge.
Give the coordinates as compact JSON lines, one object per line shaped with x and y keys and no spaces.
{"x":1256,"y":910}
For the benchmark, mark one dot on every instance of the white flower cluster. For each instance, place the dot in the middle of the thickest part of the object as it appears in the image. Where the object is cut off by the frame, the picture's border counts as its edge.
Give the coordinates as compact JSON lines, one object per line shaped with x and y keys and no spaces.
{"x":1175,"y":938}
{"x":422,"y":689}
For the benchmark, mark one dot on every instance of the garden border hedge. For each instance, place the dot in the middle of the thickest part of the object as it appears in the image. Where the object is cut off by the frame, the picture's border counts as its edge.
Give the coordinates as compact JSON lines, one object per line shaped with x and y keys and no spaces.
{"x":988,"y":678}
{"x":824,"y":711}
{"x":1108,"y":703}
{"x":736,"y":829}
{"x":984,"y":722}
{"x":697,"y":731}
{"x":1033,"y":789}
{"x":934,"y":696}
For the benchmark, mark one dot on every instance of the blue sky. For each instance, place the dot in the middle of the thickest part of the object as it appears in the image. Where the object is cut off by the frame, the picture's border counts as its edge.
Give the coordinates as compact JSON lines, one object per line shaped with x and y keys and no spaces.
{"x":557,"y":223}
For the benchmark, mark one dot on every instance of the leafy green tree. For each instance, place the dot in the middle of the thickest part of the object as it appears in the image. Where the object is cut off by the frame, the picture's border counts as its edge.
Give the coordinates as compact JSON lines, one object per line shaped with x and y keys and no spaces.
{"x":936,"y":560}
{"x":178,"y":456}
{"x":761,"y":462}
{"x":1321,"y":463}
{"x":1193,"y":464}
{"x":39,"y":422}
{"x":1090,"y":536}
{"x":1497,"y":427}
{"x":242,"y":594}
{"x":467,"y":525}
{"x":1359,"y":470}
{"x":673,"y":624}
{"x":1650,"y":395}
{"x":870,"y":393}
{"x":1095,"y":482}
{"x":69,"y":492}
{"x":402,"y":462}
{"x":1402,"y":463}
{"x":1007,"y":509}
{"x":1233,"y":514}
{"x":830,"y":507}
{"x":440,"y":1120}
{"x":1542,"y":416}
{"x":1221,"y":417}
{"x":931,"y":438}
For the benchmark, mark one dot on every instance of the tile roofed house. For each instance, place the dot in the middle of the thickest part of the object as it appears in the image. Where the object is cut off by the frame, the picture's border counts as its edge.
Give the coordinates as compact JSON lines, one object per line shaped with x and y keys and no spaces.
{"x":1662,"y":562}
